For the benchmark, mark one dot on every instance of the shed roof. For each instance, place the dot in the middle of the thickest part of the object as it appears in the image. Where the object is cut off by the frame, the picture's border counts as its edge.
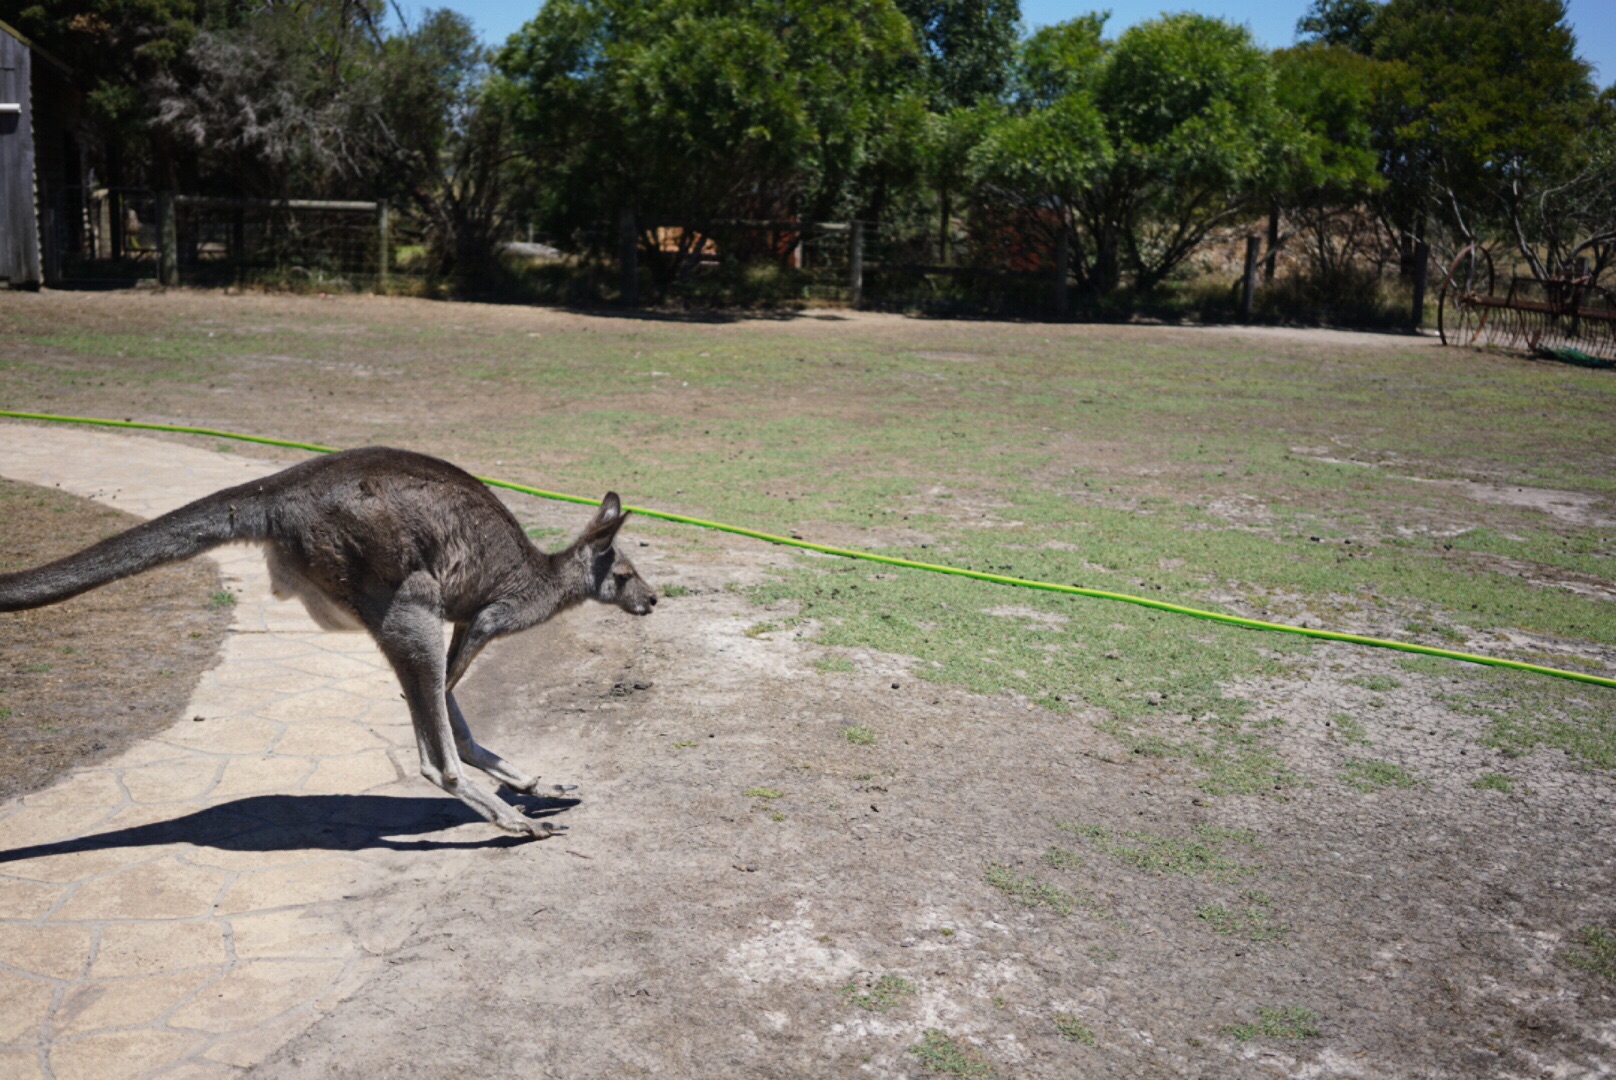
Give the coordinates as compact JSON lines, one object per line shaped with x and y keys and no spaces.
{"x":61,"y":68}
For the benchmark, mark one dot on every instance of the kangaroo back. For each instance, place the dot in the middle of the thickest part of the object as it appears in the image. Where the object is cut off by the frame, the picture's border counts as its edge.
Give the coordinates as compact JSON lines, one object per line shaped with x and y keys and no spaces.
{"x":232,"y":514}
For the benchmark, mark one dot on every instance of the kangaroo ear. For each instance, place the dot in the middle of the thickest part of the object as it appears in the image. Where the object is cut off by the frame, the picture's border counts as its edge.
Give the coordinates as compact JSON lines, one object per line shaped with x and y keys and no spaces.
{"x":602,"y":528}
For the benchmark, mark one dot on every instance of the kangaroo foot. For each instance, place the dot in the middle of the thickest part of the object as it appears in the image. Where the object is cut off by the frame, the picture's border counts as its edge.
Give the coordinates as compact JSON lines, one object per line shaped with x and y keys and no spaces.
{"x":533,"y":787}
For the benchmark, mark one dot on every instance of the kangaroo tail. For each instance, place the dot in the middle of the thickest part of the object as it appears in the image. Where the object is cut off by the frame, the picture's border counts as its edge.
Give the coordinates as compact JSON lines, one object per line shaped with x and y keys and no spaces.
{"x":232,"y":514}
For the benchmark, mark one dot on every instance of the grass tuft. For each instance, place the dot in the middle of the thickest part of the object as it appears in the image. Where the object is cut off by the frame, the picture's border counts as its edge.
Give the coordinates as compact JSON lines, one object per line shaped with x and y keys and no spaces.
{"x":941,"y":1054}
{"x":1061,"y":859}
{"x":1595,"y":951}
{"x":885,"y":993}
{"x":1156,"y":854}
{"x":1028,"y":891}
{"x":1287,"y":1022}
{"x":1366,"y":775}
{"x":859,"y":735}
{"x":1073,"y":1030}
{"x":1254,"y":921}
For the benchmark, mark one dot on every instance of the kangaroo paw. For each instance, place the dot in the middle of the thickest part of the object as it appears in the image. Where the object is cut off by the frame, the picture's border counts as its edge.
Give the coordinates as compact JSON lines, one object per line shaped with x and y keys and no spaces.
{"x":536,"y":788}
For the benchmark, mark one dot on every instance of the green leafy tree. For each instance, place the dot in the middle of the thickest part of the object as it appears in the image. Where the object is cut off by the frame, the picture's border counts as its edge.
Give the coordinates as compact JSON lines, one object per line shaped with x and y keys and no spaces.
{"x":1492,"y":95}
{"x":1329,"y":167}
{"x":967,"y":46}
{"x":1138,"y":147}
{"x":698,"y":110}
{"x":1345,"y":24}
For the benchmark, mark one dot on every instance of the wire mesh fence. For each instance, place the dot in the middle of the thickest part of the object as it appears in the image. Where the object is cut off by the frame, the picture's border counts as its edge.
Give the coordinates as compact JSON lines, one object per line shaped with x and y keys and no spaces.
{"x":118,"y":235}
{"x":857,"y":262}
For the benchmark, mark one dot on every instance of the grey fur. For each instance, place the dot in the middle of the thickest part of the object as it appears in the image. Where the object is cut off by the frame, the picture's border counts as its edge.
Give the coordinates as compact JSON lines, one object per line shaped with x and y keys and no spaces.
{"x":395,"y":543}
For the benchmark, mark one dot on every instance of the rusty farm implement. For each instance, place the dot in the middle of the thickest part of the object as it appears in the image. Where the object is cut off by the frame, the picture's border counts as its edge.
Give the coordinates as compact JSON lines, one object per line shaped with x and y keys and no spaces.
{"x":1569,"y":318}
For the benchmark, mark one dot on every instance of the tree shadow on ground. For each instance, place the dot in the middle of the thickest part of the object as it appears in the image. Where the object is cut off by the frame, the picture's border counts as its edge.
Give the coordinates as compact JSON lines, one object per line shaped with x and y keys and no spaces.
{"x":320,"y":822}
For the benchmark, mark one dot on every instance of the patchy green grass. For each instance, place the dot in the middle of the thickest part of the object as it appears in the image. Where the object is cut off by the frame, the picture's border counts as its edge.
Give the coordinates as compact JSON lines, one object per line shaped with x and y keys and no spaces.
{"x":859,"y":735}
{"x":544,"y":532}
{"x":940,"y":1053}
{"x":1200,"y":856}
{"x":833,"y":662}
{"x":1252,"y":920}
{"x":879,"y":996}
{"x":1378,"y":683}
{"x":762,"y":793}
{"x":1594,"y":951}
{"x":760,"y":630}
{"x":1074,"y":1030}
{"x":1492,"y":781}
{"x":1366,"y":775}
{"x":1286,"y":1022}
{"x":972,"y":444}
{"x":1028,"y":891}
{"x":675,"y":590}
{"x":1062,"y":859}
{"x":222,"y":598}
{"x":1348,"y":729}
{"x":1524,"y":712}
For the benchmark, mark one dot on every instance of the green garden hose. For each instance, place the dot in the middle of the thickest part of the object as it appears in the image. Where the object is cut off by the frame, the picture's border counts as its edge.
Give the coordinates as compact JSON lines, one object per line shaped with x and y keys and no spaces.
{"x":869,"y":556}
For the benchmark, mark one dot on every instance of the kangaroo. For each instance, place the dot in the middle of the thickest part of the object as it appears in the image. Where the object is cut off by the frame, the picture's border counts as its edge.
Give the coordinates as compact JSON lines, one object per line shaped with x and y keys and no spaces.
{"x":397,"y":544}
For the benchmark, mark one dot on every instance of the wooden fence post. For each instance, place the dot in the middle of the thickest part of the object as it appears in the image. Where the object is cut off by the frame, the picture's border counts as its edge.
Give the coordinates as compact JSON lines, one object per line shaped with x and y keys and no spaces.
{"x":628,"y":257}
{"x":855,"y":263}
{"x":168,"y":240}
{"x":384,"y":243}
{"x":1063,"y":269}
{"x":50,"y":246}
{"x":1248,"y":283}
{"x":1422,"y":257}
{"x":238,"y":241}
{"x":116,"y":209}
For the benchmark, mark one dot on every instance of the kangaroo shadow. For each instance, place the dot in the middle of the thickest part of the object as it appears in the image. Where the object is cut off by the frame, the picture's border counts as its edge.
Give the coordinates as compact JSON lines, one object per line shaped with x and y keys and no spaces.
{"x":322,"y":822}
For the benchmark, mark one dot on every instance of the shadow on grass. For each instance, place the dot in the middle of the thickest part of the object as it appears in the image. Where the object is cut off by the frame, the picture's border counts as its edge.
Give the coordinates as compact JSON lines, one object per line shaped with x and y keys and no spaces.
{"x":320,"y":822}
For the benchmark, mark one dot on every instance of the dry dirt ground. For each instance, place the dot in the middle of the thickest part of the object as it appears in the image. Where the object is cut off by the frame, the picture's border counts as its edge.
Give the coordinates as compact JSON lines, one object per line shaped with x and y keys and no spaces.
{"x":82,"y":680}
{"x":683,"y":928}
{"x":797,"y":854}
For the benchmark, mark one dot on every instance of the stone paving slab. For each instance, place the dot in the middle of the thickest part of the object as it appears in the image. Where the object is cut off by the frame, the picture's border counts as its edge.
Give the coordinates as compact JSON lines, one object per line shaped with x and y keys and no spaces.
{"x":183,"y":909}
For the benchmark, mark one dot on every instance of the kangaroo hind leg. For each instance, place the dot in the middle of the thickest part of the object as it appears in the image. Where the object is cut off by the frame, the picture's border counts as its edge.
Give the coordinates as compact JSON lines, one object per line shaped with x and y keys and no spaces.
{"x":480,"y":757}
{"x":410,"y":635}
{"x":463,"y":648}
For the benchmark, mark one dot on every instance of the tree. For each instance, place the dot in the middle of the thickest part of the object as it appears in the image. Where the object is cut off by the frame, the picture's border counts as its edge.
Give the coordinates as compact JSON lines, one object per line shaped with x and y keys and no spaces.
{"x":1344,"y":24}
{"x":1329,"y":167}
{"x":702,"y":109}
{"x":316,"y":99}
{"x":1139,"y":147}
{"x":967,"y":47}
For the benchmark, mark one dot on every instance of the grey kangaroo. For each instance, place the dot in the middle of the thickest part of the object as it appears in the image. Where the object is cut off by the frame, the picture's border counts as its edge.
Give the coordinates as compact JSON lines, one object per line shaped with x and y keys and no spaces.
{"x":395,"y":543}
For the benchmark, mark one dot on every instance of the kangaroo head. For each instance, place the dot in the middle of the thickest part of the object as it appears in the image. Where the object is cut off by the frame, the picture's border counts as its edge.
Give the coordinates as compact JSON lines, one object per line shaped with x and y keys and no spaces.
{"x":612,"y":578}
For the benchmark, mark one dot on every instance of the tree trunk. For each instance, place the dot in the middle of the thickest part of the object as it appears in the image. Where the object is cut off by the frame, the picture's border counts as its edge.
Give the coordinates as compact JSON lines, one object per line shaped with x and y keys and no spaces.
{"x":1273,"y":244}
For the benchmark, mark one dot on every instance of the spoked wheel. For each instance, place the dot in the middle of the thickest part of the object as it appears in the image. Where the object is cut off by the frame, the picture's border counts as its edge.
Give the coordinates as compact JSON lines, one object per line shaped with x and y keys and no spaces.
{"x":1459,"y":319}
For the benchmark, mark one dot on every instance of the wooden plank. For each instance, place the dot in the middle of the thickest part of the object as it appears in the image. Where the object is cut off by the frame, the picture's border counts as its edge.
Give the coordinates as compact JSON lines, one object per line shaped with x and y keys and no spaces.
{"x":274,"y":204}
{"x":19,"y":227}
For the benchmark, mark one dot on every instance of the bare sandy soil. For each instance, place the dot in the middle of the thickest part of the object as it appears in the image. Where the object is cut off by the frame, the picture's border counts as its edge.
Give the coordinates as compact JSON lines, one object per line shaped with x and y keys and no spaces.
{"x":685,"y":928}
{"x":83,"y":680}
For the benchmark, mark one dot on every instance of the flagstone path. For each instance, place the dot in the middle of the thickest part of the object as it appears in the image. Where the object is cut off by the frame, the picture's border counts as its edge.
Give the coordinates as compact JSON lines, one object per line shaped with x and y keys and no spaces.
{"x":183,"y":909}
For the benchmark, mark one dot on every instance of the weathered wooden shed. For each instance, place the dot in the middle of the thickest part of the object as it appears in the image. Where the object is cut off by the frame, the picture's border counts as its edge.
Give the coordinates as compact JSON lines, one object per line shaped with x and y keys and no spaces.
{"x":39,"y":158}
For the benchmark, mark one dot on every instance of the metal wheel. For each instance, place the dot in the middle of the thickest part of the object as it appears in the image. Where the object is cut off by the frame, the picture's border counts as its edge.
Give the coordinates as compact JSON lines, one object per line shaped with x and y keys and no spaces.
{"x":1459,"y":320}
